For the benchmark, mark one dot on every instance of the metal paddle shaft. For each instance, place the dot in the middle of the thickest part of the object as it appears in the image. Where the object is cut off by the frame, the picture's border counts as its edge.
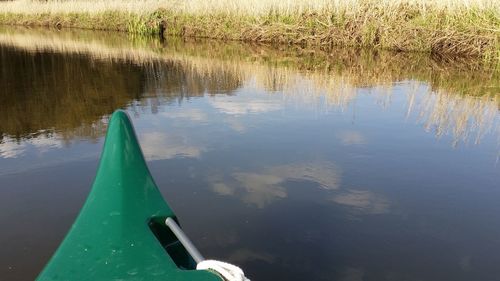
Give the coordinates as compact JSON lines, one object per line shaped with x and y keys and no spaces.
{"x":188,"y":245}
{"x":226,"y":271}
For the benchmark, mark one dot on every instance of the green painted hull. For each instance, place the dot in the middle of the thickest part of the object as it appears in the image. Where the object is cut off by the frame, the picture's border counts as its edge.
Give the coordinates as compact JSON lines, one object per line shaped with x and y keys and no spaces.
{"x":119,"y":233}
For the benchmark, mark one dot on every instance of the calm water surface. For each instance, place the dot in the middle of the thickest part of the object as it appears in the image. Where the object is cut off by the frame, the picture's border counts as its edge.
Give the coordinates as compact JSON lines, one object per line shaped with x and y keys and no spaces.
{"x":295,"y":165}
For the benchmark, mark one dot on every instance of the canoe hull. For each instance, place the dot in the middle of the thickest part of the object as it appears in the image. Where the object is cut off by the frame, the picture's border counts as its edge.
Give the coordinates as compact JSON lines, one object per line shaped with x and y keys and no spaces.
{"x":119,"y":233}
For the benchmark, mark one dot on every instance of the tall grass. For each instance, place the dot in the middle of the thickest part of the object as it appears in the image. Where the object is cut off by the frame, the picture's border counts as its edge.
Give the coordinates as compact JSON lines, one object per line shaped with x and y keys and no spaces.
{"x":242,"y":8}
{"x":456,"y":27}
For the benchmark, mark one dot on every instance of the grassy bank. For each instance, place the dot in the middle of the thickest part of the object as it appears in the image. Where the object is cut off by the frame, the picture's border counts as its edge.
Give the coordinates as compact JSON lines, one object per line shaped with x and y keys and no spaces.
{"x":469,"y":28}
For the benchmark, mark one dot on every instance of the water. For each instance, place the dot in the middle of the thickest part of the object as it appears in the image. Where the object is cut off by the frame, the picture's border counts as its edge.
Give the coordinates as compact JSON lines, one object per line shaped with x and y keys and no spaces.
{"x":296,"y":165}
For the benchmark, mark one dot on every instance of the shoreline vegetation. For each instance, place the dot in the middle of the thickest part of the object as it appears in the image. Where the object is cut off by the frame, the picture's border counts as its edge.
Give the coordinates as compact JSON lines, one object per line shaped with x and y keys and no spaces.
{"x":453,"y":28}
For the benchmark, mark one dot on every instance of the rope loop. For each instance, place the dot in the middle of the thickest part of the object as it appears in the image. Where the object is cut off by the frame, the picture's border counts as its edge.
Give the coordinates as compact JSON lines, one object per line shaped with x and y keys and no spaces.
{"x":226,"y":270}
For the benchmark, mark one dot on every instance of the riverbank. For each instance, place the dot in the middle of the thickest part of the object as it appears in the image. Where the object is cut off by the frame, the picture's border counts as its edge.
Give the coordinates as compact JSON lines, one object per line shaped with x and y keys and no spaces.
{"x":455,"y":28}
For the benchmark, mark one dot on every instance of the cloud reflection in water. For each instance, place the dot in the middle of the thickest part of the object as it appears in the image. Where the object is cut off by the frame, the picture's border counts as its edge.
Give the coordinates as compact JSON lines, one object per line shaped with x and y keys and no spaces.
{"x":161,"y":146}
{"x":229,"y":105}
{"x":11,"y":148}
{"x":262,"y":188}
{"x":363,"y":200}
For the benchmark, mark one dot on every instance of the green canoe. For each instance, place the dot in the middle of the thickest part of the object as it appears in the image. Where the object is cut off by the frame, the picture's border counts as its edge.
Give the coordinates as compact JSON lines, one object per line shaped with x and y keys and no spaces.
{"x":120,"y":233}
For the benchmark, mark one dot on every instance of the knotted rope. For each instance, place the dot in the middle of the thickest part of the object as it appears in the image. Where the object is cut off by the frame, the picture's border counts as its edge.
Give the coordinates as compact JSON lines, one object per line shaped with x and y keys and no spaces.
{"x":226,"y":270}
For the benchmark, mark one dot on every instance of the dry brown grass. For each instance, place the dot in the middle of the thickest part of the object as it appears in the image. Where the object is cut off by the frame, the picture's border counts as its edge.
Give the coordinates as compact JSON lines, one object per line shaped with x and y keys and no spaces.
{"x":243,"y":8}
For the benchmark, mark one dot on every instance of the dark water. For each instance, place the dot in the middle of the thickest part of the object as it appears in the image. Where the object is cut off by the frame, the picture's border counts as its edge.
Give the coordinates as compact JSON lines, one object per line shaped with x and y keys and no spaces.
{"x":296,"y":165}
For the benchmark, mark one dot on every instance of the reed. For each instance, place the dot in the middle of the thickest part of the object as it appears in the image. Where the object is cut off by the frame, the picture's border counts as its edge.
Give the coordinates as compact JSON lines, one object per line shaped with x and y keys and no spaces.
{"x":454,"y":27}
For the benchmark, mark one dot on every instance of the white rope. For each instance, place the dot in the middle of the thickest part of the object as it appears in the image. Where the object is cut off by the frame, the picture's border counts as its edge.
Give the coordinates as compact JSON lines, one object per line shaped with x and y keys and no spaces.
{"x":228,"y":271}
